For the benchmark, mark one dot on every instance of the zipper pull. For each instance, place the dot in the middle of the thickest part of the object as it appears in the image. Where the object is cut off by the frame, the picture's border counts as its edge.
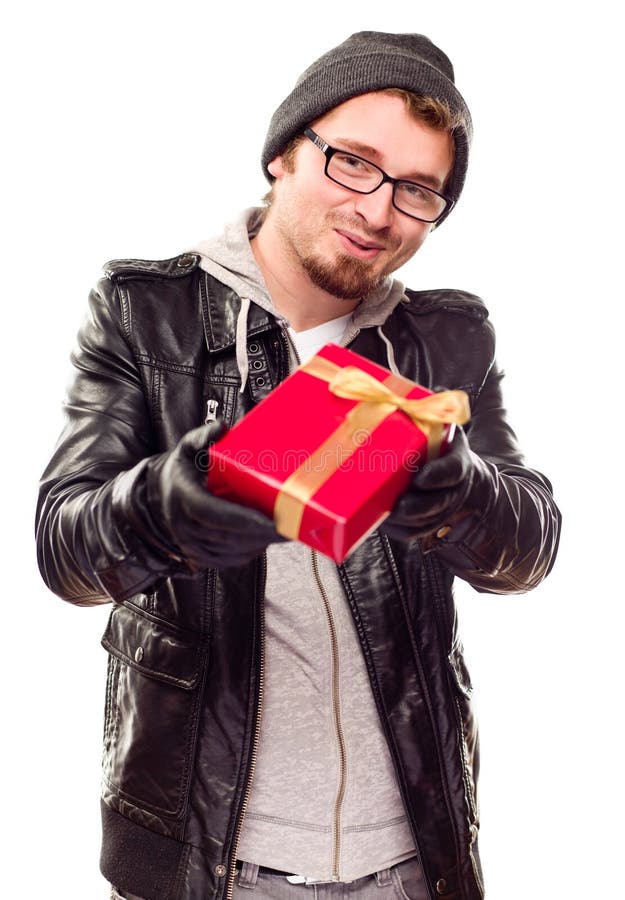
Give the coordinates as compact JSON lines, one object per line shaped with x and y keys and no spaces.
{"x":211,"y":411}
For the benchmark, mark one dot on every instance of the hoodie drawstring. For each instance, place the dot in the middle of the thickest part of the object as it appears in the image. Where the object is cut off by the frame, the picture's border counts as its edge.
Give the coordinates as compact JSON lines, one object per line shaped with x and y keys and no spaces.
{"x":390,"y":355}
{"x":241,"y":343}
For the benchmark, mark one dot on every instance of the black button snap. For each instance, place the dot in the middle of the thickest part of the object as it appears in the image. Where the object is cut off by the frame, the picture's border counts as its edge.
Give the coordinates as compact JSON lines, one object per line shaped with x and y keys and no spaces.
{"x":185,"y":261}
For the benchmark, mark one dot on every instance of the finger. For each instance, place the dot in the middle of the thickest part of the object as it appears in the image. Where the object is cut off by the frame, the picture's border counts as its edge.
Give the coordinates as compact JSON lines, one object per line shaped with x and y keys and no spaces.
{"x":401,"y":533}
{"x":200,"y":438}
{"x":230,"y":516}
{"x":439,"y":474}
{"x":416,"y":508}
{"x":448,"y":470}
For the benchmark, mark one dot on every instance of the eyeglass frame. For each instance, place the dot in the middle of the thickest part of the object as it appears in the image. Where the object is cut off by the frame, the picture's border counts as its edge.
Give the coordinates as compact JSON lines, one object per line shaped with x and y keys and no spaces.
{"x":329,"y":152}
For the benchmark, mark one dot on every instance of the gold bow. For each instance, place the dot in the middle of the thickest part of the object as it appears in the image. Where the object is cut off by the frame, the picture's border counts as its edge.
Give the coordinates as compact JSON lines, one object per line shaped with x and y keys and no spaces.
{"x":446,"y":407}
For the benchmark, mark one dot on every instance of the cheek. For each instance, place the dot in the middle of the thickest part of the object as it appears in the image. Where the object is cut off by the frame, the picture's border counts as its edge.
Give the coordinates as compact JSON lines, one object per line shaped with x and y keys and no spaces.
{"x":415,"y":238}
{"x":310,"y":197}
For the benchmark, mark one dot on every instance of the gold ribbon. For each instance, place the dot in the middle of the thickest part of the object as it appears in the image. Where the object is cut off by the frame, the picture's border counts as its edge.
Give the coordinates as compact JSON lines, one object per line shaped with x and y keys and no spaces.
{"x":446,"y":407}
{"x":377,"y":401}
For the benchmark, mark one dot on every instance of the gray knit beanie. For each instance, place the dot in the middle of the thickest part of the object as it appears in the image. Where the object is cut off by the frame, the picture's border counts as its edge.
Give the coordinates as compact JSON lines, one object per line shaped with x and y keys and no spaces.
{"x":371,"y":61}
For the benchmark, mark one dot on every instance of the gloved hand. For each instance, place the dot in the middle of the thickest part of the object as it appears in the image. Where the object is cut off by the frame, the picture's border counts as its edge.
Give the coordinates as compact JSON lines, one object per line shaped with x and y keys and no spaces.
{"x":203,"y":530}
{"x":441,"y":493}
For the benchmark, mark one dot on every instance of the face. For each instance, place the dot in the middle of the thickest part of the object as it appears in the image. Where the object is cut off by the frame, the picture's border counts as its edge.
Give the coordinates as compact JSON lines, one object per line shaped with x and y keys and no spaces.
{"x":347,"y":243}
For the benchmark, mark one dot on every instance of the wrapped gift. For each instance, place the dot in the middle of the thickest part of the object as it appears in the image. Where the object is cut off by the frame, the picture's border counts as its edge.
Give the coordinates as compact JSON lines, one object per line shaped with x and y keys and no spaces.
{"x":329,"y":451}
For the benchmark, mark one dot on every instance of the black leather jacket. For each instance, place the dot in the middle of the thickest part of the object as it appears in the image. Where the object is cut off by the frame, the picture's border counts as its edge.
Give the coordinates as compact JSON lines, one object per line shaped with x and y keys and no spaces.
{"x":185,"y":650}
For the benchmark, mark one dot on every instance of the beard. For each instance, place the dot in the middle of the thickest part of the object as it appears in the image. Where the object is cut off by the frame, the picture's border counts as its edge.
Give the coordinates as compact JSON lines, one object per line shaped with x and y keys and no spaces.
{"x":346,"y":278}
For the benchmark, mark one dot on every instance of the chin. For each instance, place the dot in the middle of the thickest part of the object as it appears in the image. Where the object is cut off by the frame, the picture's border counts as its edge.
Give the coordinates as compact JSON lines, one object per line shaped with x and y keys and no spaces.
{"x":346,"y":278}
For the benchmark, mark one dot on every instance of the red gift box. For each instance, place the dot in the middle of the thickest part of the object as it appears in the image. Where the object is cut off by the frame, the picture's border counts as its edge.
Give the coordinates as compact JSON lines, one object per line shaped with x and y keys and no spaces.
{"x":328,"y":453}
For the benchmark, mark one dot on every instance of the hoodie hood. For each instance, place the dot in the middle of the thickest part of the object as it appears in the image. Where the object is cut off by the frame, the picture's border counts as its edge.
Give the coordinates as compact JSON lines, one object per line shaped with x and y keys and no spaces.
{"x":229,"y":258}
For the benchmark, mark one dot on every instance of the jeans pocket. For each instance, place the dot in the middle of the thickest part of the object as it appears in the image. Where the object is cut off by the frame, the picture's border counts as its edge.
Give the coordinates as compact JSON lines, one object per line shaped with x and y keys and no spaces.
{"x":409,"y":880}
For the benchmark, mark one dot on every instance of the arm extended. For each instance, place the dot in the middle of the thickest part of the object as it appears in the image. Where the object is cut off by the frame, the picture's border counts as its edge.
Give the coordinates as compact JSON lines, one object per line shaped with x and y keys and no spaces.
{"x":490,"y":520}
{"x":113,"y":515}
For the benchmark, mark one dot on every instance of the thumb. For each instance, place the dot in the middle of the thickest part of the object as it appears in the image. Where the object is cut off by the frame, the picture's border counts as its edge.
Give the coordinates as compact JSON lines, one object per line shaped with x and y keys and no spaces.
{"x":199,"y":439}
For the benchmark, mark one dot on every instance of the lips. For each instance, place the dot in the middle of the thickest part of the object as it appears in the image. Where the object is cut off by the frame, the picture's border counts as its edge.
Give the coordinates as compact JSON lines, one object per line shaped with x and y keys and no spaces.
{"x":360,"y":247}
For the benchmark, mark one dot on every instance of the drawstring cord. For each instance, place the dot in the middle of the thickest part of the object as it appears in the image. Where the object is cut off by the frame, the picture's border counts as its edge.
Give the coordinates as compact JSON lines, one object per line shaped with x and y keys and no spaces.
{"x":390,"y":355}
{"x":241,"y":343}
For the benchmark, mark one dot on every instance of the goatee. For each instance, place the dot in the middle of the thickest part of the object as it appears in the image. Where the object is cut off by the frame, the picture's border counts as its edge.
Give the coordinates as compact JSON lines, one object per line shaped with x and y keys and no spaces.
{"x":346,"y":278}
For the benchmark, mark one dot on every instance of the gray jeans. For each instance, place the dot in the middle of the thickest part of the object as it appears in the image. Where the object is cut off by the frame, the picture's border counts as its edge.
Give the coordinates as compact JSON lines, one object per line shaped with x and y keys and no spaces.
{"x":402,"y":882}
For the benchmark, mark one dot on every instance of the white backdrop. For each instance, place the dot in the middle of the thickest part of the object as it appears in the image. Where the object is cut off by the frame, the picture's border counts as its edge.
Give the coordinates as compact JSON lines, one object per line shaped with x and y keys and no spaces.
{"x":135,"y":129}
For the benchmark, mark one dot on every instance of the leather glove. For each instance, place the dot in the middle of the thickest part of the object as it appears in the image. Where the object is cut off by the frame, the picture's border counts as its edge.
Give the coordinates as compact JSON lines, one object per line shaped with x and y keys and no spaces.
{"x":443,"y":492}
{"x":198,"y":528}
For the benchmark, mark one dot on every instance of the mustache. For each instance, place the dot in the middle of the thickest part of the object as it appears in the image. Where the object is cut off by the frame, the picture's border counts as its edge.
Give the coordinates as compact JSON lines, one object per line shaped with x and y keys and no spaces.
{"x":390,"y":239}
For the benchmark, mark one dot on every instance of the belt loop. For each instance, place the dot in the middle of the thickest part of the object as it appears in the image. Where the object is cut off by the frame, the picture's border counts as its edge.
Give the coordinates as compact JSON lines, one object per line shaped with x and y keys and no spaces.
{"x":249,"y":875}
{"x":383,"y":878}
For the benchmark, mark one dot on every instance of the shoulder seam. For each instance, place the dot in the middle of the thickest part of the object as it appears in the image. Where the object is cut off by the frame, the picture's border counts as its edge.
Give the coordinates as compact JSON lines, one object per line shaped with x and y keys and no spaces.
{"x":180,"y":266}
{"x":451,"y":300}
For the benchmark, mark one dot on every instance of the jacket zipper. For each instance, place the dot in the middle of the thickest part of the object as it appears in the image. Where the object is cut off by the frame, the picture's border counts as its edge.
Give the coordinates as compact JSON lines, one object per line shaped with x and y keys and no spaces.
{"x":338,"y":725}
{"x":255,"y":740}
{"x":471,"y":801}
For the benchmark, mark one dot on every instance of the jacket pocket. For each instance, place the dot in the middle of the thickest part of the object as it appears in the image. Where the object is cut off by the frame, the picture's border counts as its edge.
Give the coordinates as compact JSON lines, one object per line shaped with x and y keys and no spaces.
{"x":151,"y":709}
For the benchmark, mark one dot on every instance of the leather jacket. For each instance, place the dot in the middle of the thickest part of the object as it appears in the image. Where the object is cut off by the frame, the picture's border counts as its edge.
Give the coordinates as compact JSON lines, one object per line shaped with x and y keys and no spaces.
{"x":184,"y":687}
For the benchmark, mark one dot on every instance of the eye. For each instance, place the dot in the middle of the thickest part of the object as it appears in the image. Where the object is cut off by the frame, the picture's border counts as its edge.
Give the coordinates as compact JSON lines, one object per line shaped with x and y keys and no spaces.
{"x":350,"y":162}
{"x":351,"y":165}
{"x":414,"y":192}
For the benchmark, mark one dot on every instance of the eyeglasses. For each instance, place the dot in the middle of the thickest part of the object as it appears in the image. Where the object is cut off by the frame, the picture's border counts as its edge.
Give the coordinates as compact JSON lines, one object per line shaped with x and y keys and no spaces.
{"x":358,"y":174}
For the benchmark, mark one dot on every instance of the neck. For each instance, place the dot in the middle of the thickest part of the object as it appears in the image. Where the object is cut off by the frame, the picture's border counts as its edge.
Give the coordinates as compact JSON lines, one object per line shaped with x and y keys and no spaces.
{"x":292,"y":292}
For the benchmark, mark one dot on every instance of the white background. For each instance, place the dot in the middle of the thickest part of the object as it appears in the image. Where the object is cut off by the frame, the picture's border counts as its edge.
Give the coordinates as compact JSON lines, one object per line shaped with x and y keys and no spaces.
{"x":135,"y":129}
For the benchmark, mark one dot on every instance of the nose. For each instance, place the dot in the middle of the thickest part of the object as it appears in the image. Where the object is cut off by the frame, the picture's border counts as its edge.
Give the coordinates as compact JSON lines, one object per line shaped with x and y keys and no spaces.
{"x":376,"y":208}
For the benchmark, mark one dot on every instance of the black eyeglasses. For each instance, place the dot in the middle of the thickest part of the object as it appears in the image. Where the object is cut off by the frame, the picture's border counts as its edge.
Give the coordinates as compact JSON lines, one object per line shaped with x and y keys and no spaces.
{"x":358,"y":174}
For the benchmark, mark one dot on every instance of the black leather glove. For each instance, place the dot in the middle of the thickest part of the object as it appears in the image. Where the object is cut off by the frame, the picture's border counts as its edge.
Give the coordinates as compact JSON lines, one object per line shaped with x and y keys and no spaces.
{"x":195,"y":526}
{"x":443,"y":492}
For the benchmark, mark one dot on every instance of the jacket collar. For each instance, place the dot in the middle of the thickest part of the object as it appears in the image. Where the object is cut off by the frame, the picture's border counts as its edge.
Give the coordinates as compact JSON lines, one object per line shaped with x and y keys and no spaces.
{"x":220,"y":309}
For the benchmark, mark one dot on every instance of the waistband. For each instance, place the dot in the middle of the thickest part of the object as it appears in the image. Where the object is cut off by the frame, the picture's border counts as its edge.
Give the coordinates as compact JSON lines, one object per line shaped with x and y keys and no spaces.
{"x":249,"y":873}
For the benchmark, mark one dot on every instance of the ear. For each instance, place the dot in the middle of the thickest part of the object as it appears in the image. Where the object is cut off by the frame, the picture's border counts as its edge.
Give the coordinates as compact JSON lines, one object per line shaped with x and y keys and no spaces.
{"x":276,"y":168}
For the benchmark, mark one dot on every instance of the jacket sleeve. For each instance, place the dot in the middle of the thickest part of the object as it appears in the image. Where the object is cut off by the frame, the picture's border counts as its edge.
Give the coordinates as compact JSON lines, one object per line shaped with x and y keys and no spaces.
{"x":93,"y":539}
{"x":510,"y":545}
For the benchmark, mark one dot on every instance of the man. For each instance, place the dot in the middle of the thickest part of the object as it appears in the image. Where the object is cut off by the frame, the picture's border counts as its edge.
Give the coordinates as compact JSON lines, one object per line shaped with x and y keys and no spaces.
{"x":275,"y":723}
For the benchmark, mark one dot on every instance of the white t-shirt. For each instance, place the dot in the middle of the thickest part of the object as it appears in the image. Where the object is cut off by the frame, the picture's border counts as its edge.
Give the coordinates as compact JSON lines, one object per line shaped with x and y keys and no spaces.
{"x":310,"y":341}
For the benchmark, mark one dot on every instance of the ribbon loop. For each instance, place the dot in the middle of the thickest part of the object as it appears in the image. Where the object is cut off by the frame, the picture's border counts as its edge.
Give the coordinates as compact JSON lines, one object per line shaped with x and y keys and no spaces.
{"x":445,"y":407}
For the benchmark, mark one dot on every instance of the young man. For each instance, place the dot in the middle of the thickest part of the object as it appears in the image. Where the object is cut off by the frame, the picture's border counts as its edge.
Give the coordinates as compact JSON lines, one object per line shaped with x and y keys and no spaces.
{"x":274,"y":723}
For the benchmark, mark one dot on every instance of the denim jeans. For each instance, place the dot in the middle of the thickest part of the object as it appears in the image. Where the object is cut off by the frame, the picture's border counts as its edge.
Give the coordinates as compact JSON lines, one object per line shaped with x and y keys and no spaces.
{"x":403,"y":882}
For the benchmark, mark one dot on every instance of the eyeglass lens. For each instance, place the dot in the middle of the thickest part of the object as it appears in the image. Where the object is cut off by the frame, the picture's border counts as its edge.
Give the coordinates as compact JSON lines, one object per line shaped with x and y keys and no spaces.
{"x":362,"y":176}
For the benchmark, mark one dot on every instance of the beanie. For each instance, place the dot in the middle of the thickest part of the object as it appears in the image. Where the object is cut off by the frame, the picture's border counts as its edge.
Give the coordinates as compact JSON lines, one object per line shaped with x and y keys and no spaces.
{"x":371,"y":61}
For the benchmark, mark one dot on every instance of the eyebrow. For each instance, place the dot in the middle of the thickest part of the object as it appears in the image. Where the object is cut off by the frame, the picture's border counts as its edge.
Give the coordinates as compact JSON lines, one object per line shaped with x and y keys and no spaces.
{"x":375,"y":156}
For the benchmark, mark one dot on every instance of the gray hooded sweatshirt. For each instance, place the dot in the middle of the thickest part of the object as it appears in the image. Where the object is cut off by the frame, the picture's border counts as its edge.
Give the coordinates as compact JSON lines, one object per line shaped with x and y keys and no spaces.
{"x":324,"y":800}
